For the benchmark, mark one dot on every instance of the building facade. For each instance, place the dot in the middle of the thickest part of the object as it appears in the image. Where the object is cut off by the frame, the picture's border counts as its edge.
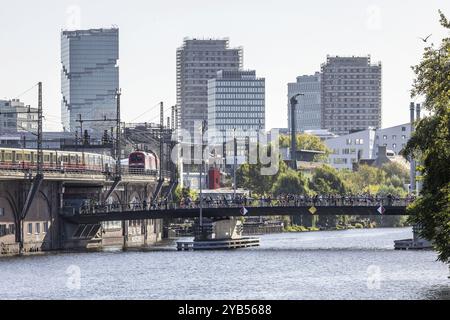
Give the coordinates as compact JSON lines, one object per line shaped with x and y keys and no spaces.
{"x":197,"y":62}
{"x":351,"y":94}
{"x":349,"y":149}
{"x":236,"y":107}
{"x":16,"y":117}
{"x":89,"y":78}
{"x":308,"y":110}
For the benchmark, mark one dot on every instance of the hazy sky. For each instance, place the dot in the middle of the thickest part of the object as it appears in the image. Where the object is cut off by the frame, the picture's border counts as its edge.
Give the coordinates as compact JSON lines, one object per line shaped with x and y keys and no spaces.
{"x":281,"y":39}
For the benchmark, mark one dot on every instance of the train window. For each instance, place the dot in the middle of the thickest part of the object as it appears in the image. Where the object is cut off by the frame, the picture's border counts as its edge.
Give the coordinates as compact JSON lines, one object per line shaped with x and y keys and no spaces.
{"x":8,"y":156}
{"x":19,"y":157}
{"x":13,"y":156}
{"x":51,"y":157}
{"x":46,"y":158}
{"x":2,"y":156}
{"x":66,"y":159}
{"x":27,"y":157}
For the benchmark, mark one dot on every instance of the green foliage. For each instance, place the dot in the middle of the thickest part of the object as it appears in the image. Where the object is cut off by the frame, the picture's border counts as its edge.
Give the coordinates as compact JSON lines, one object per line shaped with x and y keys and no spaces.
{"x":184,"y":193}
{"x":289,"y":182}
{"x":430,"y":143}
{"x":327,"y":180}
{"x":306,"y":142}
{"x":249,"y":176}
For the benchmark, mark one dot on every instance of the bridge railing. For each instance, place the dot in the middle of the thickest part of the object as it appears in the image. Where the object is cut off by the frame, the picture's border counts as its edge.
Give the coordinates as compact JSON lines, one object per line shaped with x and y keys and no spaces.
{"x":91,"y":209}
{"x":30,"y":172}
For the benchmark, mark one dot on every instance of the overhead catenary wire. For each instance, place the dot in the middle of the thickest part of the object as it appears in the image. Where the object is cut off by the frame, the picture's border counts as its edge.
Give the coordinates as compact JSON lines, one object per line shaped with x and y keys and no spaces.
{"x":26,"y":91}
{"x":151,"y":109}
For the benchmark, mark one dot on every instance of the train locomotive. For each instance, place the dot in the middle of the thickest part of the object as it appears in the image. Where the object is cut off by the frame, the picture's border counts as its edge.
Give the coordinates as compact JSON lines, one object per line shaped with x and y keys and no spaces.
{"x":143,"y":162}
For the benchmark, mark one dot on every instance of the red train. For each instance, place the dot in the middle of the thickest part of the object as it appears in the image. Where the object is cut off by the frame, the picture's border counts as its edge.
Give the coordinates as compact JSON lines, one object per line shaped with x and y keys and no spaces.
{"x":140,"y":161}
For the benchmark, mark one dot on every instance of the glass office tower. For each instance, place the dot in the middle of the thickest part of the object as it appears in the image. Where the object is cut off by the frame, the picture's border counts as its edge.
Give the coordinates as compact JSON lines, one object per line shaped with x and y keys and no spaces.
{"x":89,"y":79}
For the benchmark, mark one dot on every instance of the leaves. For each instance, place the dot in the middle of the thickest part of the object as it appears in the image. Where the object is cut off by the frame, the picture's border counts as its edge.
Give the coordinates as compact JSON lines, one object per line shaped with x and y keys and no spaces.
{"x":430,"y":143}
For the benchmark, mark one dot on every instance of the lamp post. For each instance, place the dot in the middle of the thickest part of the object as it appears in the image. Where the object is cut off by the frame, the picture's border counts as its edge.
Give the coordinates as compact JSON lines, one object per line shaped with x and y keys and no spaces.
{"x":294,"y":103}
{"x":203,"y":129}
{"x":235,"y":163}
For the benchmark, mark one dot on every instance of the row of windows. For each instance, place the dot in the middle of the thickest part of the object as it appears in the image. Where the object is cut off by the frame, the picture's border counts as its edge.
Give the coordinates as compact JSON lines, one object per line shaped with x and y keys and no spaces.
{"x":370,"y":69}
{"x":240,"y":90}
{"x":236,"y":115}
{"x":239,"y":121}
{"x":394,"y":145}
{"x":346,"y":93}
{"x":238,"y":83}
{"x":6,"y":229}
{"x":339,"y":111}
{"x":37,"y":228}
{"x":238,"y":102}
{"x":239,"y":109}
{"x":352,"y":123}
{"x":240,"y":96}
{"x":394,"y":137}
{"x":351,"y":117}
{"x":356,"y":141}
{"x":351,"y":100}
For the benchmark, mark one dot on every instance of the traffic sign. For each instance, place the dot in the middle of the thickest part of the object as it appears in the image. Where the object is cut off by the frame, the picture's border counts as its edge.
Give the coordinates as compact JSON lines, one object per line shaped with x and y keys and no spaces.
{"x":244,"y":211}
{"x":313,"y":210}
{"x":381,"y":209}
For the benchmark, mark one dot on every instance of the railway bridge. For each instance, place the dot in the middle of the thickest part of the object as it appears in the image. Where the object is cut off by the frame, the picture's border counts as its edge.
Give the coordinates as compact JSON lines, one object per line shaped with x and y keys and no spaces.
{"x":31,"y":220}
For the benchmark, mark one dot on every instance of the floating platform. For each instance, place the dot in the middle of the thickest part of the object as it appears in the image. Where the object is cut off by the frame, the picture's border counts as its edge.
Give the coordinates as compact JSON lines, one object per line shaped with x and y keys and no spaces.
{"x":410,"y":244}
{"x":227,"y":244}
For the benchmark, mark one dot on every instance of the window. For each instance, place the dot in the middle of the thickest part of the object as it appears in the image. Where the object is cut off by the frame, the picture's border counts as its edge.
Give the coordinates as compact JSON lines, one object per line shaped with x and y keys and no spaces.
{"x":37,"y":228}
{"x":30,"y":228}
{"x":403,"y":137}
{"x":384,"y":137}
{"x":394,"y":137}
{"x":403,"y":128}
{"x":2,"y":212}
{"x":45,"y":227}
{"x":394,"y":146}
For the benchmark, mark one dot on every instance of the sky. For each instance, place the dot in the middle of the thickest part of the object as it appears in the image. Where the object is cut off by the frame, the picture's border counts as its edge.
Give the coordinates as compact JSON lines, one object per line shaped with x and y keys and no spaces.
{"x":282,"y":39}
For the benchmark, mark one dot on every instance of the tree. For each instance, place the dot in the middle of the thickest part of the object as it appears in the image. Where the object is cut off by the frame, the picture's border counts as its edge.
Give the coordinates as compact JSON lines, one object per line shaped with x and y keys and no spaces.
{"x":430,"y":144}
{"x":306,"y":142}
{"x":326,"y":180}
{"x":249,"y":176}
{"x":289,"y":182}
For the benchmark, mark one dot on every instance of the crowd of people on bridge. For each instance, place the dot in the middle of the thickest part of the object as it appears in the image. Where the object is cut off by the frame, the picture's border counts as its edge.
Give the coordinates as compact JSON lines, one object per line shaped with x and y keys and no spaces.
{"x":283,"y":200}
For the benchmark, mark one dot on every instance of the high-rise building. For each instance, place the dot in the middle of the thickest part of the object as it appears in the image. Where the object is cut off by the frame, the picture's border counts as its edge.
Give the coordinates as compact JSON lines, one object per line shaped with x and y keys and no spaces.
{"x":308,"y":110}
{"x":236,"y":106}
{"x":89,"y":78}
{"x":197,"y":62}
{"x":351,"y":94}
{"x":16,"y":117}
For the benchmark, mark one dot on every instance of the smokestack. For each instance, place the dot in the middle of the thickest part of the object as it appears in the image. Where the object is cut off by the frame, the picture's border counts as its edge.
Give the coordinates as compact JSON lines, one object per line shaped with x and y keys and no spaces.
{"x":418,"y":111}
{"x":412,"y":163}
{"x":418,"y":182}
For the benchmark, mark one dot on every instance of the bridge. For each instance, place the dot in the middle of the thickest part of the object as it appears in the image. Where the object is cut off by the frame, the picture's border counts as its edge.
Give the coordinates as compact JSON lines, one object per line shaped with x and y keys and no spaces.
{"x":258,"y":208}
{"x":30,"y":208}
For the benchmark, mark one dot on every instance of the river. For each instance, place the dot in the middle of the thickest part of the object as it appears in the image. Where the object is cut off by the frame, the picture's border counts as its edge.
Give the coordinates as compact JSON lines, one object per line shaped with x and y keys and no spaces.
{"x":351,"y":264}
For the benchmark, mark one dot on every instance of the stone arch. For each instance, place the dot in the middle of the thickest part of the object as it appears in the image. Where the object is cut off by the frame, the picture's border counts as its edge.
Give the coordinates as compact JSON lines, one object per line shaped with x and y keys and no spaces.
{"x":9,"y":205}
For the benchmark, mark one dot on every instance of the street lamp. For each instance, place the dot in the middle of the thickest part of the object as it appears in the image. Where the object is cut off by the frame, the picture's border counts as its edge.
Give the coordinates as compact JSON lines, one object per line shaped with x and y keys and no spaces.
{"x":294,"y":103}
{"x":203,"y":129}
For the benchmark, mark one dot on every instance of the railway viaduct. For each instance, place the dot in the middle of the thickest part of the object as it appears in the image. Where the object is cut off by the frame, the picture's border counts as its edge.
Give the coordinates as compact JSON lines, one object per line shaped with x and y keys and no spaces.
{"x":41,"y":228}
